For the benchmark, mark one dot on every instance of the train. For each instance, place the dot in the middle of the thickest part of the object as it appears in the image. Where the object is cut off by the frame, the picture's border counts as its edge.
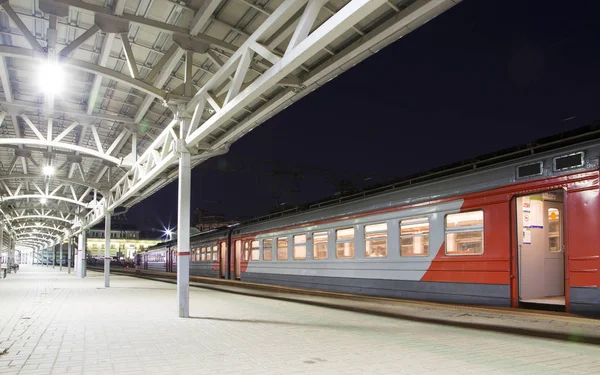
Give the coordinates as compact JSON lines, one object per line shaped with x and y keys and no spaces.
{"x":517,"y":228}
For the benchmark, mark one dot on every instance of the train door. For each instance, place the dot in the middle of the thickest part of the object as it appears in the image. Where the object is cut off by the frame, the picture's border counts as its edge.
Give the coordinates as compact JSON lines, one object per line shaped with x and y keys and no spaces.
{"x":222,"y":259}
{"x":237,"y":260}
{"x":168,"y":260}
{"x":541,"y":251}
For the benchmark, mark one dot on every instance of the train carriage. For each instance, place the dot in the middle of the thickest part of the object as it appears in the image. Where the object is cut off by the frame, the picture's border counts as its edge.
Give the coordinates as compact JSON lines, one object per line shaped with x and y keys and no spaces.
{"x":514,"y":229}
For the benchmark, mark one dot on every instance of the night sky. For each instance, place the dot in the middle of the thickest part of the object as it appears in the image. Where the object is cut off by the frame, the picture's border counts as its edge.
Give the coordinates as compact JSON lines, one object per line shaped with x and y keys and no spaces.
{"x":484,"y":76}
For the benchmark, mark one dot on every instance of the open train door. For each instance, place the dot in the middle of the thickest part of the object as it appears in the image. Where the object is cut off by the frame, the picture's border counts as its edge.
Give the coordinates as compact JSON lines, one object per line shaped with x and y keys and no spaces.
{"x":237,"y":257}
{"x":222,"y":259}
{"x":541,"y":250}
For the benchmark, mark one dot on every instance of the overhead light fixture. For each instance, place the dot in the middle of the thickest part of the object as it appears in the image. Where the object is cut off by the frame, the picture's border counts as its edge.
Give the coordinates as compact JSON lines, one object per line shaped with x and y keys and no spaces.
{"x":51,"y":78}
{"x":48,"y":170}
{"x":44,"y":200}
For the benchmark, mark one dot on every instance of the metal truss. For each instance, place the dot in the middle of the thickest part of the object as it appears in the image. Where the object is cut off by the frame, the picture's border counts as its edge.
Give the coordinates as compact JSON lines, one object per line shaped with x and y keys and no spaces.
{"x":244,"y":80}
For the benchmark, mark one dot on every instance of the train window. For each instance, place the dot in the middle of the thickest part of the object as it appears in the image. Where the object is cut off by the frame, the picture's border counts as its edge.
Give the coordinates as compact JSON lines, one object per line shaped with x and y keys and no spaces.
{"x":414,"y":237}
{"x":344,"y":243}
{"x":554,"y":230}
{"x":215,"y":252}
{"x":282,"y":248}
{"x":464,"y":233}
{"x":246,"y":250}
{"x":203,"y":254}
{"x":320,"y":245}
{"x":268,"y":249}
{"x":300,"y":246}
{"x":571,"y":161}
{"x":208,"y":252}
{"x":255,"y":250}
{"x":376,"y":240}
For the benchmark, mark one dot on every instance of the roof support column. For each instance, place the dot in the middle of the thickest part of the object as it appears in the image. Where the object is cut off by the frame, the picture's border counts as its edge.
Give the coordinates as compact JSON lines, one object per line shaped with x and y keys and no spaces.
{"x":80,"y":257}
{"x":53,"y":256}
{"x":69,"y":252}
{"x":60,"y":255}
{"x":1,"y":237}
{"x":47,"y":256}
{"x":183,"y":218}
{"x":107,"y":249}
{"x":76,"y":254}
{"x":84,"y":253}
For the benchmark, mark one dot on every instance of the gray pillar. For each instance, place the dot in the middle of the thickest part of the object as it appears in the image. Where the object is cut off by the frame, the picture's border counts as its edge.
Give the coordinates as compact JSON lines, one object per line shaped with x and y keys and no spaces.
{"x":1,"y":237}
{"x":183,"y":221}
{"x":78,"y":256}
{"x":53,"y":256}
{"x":107,"y":249}
{"x":60,"y":255}
{"x":84,"y":254}
{"x":69,"y":252}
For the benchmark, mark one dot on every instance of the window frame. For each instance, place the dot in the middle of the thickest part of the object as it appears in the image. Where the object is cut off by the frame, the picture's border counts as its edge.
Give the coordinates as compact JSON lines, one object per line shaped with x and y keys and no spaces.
{"x":299,"y":244}
{"x":269,"y":247}
{"x":376,"y":232}
{"x":421,"y":219}
{"x":464,"y":230}
{"x":287,"y":248}
{"x":252,"y":250}
{"x":315,"y":244}
{"x":337,"y":241}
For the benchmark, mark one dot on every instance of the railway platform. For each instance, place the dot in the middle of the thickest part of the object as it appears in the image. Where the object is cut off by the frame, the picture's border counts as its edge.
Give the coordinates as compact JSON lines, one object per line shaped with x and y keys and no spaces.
{"x":54,"y":323}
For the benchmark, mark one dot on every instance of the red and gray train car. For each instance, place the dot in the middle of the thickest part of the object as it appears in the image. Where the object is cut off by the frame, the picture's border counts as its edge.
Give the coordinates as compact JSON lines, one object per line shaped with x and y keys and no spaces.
{"x":519,"y":228}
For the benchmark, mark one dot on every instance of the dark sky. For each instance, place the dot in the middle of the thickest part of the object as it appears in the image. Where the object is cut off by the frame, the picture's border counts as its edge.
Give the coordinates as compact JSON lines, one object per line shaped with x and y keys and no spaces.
{"x":484,"y":76}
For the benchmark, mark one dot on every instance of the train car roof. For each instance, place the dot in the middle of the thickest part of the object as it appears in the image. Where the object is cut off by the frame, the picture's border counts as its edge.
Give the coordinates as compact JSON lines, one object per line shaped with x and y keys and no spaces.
{"x":554,"y":142}
{"x":543,"y":145}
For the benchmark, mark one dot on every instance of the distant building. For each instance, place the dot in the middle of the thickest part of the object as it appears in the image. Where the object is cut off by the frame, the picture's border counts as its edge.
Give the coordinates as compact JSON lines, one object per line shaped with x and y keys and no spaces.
{"x":204,"y":221}
{"x":125,"y":241}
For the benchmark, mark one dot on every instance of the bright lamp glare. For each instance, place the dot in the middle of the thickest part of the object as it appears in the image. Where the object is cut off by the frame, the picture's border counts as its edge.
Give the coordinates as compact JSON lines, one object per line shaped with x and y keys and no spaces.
{"x":51,"y":78}
{"x":48,"y":170}
{"x":43,"y":200}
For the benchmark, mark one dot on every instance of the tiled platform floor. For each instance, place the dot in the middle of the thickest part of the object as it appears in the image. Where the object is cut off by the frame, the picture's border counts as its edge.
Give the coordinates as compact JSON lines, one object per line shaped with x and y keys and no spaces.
{"x":51,"y":322}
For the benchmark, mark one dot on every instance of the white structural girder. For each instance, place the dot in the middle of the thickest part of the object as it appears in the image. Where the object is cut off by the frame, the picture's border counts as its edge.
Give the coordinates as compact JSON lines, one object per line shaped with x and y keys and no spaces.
{"x":60,"y":145}
{"x":42,"y":196}
{"x":307,"y":42}
{"x":401,"y":24}
{"x":157,"y":157}
{"x":39,"y":217}
{"x":24,"y":53}
{"x":64,"y":181}
{"x":339,"y":23}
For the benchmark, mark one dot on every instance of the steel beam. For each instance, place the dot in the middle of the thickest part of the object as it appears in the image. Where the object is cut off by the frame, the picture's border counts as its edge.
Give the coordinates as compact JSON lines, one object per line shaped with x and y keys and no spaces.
{"x":39,"y":217}
{"x":5,"y":77}
{"x":85,"y":66}
{"x":66,"y":51}
{"x":133,"y":70}
{"x":108,"y":40}
{"x":314,"y":43}
{"x":40,"y":196}
{"x":203,"y":15}
{"x":77,"y":114}
{"x":17,"y":21}
{"x":161,"y":26}
{"x":53,"y":144}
